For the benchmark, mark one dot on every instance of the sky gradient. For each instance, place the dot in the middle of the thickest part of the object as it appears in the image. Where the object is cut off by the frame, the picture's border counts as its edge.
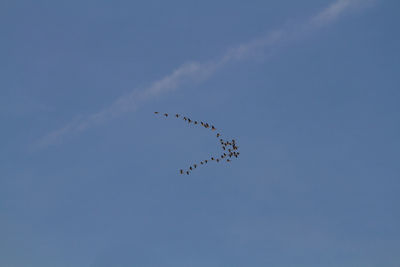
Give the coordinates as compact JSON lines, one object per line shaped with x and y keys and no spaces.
{"x":90,"y":177}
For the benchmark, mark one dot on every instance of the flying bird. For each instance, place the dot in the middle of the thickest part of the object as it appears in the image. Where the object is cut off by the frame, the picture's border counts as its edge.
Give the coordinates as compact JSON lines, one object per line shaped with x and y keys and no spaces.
{"x":230,"y":146}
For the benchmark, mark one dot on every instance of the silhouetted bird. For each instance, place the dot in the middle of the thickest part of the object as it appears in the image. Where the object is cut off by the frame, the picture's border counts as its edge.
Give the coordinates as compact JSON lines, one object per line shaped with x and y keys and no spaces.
{"x":230,"y":146}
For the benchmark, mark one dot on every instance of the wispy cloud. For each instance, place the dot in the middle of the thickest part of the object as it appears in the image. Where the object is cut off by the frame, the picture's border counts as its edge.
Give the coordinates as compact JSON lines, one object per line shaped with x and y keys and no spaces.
{"x":335,"y":10}
{"x":198,"y":71}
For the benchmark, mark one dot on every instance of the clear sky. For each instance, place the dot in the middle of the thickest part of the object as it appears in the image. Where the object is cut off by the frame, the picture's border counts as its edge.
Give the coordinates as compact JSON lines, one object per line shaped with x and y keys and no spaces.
{"x":89,"y":176}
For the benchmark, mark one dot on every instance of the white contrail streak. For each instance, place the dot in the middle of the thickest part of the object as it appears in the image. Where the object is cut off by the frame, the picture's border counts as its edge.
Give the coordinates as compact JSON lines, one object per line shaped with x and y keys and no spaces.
{"x":198,"y":71}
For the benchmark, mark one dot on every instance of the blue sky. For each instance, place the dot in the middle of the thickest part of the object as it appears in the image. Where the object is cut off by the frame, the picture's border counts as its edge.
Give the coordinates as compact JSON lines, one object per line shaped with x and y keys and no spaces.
{"x":89,"y":176}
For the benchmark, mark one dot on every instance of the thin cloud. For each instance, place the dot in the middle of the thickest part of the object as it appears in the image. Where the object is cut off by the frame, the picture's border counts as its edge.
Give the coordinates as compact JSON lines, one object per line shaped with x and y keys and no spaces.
{"x":199,"y":71}
{"x":335,"y":10}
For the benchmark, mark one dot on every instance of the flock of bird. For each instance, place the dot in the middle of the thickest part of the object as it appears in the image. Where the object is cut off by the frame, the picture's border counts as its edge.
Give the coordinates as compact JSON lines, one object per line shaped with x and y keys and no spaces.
{"x":229,"y":147}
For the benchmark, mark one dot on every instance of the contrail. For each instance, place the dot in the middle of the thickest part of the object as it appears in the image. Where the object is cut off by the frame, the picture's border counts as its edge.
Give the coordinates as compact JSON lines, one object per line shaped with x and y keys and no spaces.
{"x":200,"y":71}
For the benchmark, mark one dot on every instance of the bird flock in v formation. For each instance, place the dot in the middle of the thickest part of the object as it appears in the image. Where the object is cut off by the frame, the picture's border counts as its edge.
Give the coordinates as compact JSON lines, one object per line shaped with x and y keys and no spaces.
{"x":229,"y":147}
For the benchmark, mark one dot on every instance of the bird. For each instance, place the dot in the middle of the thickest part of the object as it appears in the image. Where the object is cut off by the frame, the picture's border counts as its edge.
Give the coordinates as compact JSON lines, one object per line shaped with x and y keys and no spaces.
{"x":229,"y":147}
